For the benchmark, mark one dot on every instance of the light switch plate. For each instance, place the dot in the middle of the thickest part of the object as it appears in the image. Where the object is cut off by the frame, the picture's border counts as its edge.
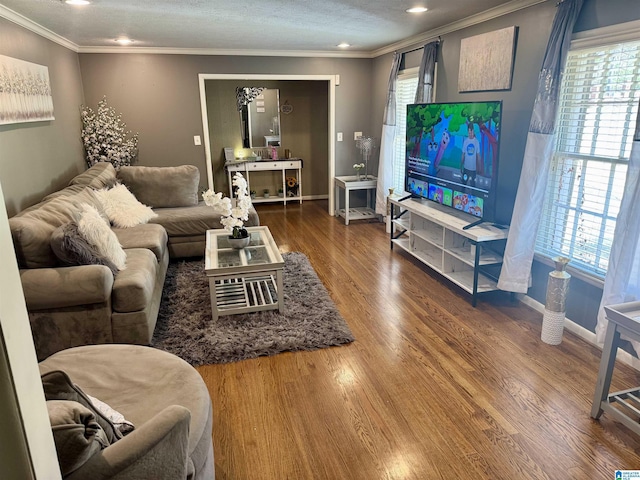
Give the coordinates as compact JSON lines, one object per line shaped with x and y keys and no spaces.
{"x":339,"y":136}
{"x":196,"y":140}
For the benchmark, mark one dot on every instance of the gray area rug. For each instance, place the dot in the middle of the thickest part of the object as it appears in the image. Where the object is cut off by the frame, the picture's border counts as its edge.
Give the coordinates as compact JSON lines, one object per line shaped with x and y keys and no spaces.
{"x":186,"y":329}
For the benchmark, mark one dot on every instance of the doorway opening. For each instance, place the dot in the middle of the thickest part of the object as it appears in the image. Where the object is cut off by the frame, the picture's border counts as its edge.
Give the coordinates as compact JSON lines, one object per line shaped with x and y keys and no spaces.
{"x":235,"y":121}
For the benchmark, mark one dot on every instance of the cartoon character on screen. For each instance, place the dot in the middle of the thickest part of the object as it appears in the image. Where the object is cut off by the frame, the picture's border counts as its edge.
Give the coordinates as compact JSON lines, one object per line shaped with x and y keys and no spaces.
{"x":432,"y":152}
{"x":470,"y":157}
{"x":445,"y":139}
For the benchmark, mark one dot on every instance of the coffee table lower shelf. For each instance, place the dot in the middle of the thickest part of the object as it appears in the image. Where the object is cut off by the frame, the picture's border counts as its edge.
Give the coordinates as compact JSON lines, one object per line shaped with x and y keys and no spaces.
{"x":245,"y":294}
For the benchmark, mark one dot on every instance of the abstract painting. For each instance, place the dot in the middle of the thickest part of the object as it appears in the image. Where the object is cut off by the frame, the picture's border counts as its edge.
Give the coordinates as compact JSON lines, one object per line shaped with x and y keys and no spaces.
{"x":25,"y":92}
{"x":486,"y":61}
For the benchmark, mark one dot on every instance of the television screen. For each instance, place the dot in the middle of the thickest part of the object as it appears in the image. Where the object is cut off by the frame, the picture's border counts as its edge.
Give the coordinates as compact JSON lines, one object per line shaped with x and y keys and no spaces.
{"x":452,"y":154}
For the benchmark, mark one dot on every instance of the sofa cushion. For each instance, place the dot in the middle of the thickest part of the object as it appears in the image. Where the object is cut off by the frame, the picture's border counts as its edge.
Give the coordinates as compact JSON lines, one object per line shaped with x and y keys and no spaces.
{"x":100,"y":175}
{"x":122,"y":207}
{"x":133,"y":287}
{"x":163,"y":186}
{"x":72,"y":248}
{"x":98,"y":233}
{"x":76,"y":433}
{"x":65,"y":192}
{"x":187,"y":221}
{"x":31,"y":230}
{"x":150,"y":236}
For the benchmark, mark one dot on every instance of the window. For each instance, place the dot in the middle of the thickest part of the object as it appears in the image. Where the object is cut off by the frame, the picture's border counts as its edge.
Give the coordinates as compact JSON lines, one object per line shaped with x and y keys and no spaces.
{"x":406,"y":87}
{"x":594,"y":132}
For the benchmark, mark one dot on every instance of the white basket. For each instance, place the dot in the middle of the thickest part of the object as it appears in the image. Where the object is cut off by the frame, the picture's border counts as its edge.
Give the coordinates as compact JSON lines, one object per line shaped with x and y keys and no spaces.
{"x":552,"y":327}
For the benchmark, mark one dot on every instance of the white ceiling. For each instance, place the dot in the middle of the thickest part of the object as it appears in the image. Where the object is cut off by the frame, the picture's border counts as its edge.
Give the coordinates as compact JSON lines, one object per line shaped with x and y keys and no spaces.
{"x":294,"y":26}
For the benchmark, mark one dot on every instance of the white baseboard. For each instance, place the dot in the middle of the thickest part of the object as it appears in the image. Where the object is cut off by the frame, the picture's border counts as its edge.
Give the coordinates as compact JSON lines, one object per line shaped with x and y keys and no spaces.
{"x":315,"y":197}
{"x":587,"y":335}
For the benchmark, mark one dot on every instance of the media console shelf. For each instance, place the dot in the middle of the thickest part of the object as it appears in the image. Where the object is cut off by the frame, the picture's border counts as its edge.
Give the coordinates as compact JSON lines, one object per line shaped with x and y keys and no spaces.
{"x":435,"y":235}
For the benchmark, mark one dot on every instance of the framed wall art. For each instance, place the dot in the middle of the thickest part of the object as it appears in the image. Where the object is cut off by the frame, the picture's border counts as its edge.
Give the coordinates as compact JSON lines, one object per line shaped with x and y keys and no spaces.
{"x":486,"y":61}
{"x":25,"y":92}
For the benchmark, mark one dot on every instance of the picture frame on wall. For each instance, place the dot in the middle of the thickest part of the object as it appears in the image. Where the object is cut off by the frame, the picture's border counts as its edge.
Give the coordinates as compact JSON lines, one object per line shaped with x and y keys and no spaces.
{"x":486,"y":61}
{"x":25,"y":92}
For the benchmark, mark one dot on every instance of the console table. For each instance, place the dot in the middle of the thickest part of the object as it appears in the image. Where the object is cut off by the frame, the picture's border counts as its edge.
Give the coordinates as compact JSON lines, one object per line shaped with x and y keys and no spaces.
{"x":349,"y":184}
{"x":246,"y":167}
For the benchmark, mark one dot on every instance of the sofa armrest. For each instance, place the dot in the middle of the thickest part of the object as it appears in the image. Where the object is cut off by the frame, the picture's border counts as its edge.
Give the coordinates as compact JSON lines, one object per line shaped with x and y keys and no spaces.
{"x":157,"y":449}
{"x":47,"y":288}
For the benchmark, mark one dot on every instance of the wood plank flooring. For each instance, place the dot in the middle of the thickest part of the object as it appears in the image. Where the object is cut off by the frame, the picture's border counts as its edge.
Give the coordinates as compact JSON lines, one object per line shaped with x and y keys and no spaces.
{"x":431,"y":388}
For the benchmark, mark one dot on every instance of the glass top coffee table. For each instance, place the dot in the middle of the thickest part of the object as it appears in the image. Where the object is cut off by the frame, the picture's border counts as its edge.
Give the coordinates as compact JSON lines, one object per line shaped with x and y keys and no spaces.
{"x":247,"y":279}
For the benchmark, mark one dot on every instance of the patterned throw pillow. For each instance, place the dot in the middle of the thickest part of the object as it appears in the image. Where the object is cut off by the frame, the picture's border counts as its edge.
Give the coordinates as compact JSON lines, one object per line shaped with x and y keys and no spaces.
{"x":122,"y":207}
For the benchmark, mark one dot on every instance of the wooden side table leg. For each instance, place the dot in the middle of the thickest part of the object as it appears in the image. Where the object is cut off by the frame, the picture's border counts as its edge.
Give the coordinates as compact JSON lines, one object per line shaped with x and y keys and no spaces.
{"x":607,"y":362}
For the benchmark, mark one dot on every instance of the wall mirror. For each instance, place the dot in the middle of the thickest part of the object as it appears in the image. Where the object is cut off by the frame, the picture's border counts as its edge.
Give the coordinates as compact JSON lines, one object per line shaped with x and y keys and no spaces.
{"x":259,"y":109}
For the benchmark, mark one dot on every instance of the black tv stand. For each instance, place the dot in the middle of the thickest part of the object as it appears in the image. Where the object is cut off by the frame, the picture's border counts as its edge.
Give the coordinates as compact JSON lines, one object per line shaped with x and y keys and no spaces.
{"x":473,"y":224}
{"x":402,"y":199}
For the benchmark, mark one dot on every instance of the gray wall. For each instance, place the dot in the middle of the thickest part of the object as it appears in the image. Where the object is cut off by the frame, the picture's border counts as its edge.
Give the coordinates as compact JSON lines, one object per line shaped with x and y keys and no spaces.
{"x":534,"y":24}
{"x":158,"y":96}
{"x":40,"y":157}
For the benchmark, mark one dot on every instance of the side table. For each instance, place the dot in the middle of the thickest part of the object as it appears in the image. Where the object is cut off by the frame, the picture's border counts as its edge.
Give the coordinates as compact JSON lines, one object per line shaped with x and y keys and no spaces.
{"x":624,"y":406}
{"x":349,"y":184}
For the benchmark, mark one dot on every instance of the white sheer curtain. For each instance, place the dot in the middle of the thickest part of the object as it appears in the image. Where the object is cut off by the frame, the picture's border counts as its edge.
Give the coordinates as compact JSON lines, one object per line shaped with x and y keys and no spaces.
{"x":622,"y":281}
{"x":385,"y":170}
{"x":518,"y":256}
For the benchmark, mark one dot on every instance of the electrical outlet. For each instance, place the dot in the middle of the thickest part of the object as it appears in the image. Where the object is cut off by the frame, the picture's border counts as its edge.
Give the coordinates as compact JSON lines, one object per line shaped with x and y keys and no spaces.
{"x":356,"y":135}
{"x":339,"y":136}
{"x":196,"y":140}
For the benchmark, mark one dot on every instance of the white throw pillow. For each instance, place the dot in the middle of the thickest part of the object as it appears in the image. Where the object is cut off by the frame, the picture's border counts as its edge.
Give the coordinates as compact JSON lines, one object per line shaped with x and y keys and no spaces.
{"x":97,"y":232}
{"x":122,"y":207}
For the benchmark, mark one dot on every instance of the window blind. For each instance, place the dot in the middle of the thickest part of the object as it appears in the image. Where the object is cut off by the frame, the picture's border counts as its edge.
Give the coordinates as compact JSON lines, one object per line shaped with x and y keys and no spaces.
{"x":406,"y":87}
{"x":594,"y":132}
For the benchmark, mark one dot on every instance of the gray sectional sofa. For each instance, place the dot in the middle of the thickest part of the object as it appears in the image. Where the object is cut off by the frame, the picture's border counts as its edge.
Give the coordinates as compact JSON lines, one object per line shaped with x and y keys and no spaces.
{"x":87,"y":304}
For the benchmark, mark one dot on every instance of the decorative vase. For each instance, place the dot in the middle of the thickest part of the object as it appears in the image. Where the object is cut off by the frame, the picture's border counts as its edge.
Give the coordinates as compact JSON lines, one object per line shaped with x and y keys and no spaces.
{"x":239,"y":243}
{"x":554,"y":310}
{"x":358,"y":175}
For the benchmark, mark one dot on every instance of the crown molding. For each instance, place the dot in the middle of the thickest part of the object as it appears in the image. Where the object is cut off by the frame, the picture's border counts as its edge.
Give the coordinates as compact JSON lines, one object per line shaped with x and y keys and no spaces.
{"x":490,"y":14}
{"x":225,"y":52}
{"x":485,"y":16}
{"x":36,"y":28}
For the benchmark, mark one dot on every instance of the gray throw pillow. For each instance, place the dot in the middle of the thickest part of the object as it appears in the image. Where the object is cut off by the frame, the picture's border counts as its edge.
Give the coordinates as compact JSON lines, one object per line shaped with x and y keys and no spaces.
{"x":76,"y":433}
{"x":71,"y":248}
{"x":58,"y":386}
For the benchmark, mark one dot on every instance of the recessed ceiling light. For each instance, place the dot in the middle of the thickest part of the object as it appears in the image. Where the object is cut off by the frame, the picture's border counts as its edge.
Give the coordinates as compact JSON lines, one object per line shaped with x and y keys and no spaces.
{"x":344,"y":45}
{"x":77,"y":2}
{"x":417,"y":10}
{"x":124,"y":41}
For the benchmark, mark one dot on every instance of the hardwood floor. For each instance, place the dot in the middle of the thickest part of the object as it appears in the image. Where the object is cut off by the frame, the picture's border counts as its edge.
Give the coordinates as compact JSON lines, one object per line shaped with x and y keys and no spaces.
{"x":431,"y":388}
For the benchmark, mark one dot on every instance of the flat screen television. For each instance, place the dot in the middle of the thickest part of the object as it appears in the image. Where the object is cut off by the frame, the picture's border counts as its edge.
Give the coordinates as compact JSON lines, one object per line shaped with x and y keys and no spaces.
{"x":452,"y":155}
